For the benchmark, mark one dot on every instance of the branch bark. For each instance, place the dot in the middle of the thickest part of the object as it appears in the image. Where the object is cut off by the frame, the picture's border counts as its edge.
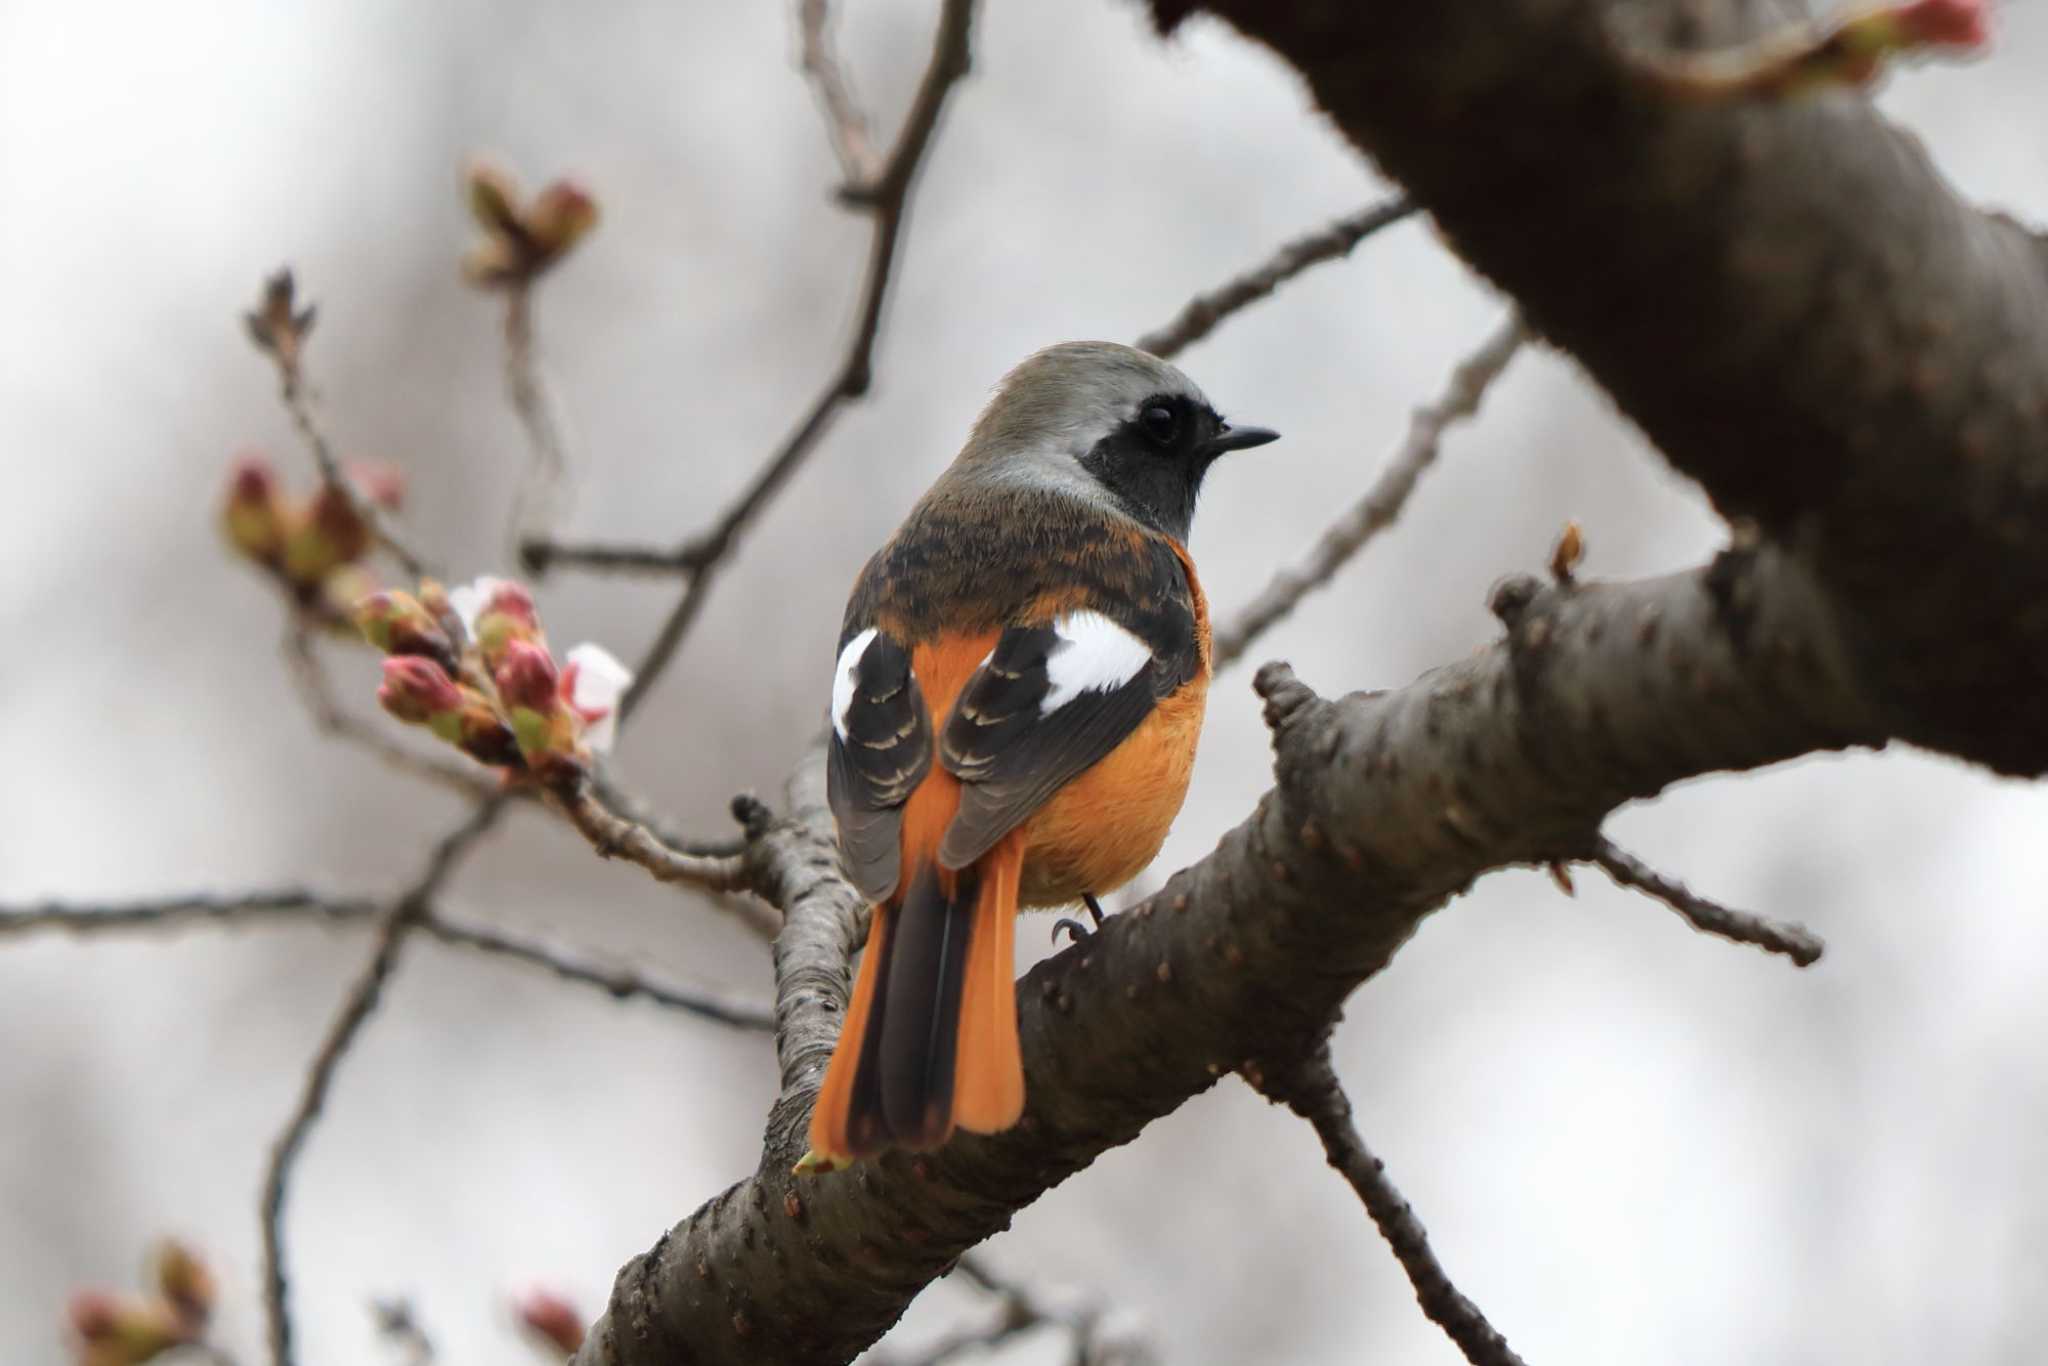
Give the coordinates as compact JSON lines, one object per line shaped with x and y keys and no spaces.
{"x":1385,"y":806}
{"x":1787,"y":297}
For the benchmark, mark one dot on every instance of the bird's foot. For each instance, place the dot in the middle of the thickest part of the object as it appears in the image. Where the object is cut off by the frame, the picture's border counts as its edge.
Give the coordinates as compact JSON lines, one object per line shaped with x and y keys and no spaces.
{"x":1075,"y":930}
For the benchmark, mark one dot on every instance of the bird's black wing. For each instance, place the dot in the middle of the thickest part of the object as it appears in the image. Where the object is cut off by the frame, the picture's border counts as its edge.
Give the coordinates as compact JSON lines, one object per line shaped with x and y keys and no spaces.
{"x":881,"y":749}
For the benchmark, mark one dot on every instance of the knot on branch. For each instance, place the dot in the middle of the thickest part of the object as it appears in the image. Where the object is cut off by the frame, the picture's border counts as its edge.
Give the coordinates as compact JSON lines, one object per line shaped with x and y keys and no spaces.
{"x":753,"y":814}
{"x":1287,"y":697}
{"x":1511,"y":598}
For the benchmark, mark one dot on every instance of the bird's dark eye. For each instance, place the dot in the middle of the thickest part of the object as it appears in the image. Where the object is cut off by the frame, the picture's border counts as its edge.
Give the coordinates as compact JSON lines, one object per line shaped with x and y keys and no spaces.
{"x":1161,"y":423}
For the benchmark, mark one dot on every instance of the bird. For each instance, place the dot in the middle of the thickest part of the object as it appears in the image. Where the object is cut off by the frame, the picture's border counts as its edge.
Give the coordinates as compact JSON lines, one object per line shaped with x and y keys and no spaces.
{"x":1018,"y":691}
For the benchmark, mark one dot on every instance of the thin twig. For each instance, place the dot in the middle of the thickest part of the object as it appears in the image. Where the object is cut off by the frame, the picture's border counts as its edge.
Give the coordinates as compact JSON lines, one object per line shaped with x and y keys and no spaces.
{"x":844,"y":121}
{"x":1200,"y":315}
{"x":536,"y":506}
{"x":404,"y":914}
{"x":539,"y":555}
{"x":330,"y":716}
{"x":1197,"y":318}
{"x":399,"y":1325}
{"x":1310,"y":1088}
{"x":887,"y":197}
{"x":176,"y":912}
{"x":1023,"y":1312}
{"x":295,"y":905}
{"x":1796,"y":942}
{"x":619,"y":983}
{"x":1383,"y":502}
{"x":613,"y":836}
{"x":635,"y":808}
{"x":279,"y":328}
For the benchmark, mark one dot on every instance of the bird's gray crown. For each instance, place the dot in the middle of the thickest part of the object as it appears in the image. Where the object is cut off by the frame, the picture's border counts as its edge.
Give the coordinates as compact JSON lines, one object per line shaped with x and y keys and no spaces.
{"x":1060,"y":401}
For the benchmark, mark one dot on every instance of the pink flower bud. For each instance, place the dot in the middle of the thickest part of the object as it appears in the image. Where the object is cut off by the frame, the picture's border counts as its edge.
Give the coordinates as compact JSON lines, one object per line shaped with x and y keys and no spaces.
{"x":527,"y":678}
{"x":115,"y":1331}
{"x":379,"y":481}
{"x":253,"y":515}
{"x":186,"y":1283}
{"x":94,"y":1314}
{"x":399,"y":624}
{"x":561,"y":217}
{"x":493,"y":198}
{"x":551,"y":1318}
{"x":510,"y":598}
{"x":417,"y":690}
{"x":1950,"y":23}
{"x":482,"y":734}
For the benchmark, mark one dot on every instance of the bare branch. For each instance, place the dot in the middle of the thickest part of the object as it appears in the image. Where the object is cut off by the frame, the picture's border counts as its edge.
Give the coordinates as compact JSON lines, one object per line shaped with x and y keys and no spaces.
{"x":1201,"y":314}
{"x":177,"y":912}
{"x":620,"y":983}
{"x":844,"y":122}
{"x":303,"y":663}
{"x":281,"y":335}
{"x":633,"y":808}
{"x":294,"y":905}
{"x":363,"y":995}
{"x":887,"y":198}
{"x":1796,"y":942}
{"x":539,"y":555}
{"x":1020,"y":1312}
{"x":1382,"y":503}
{"x":537,"y":506}
{"x":398,"y":1324}
{"x":613,"y":836}
{"x":1310,"y":1088}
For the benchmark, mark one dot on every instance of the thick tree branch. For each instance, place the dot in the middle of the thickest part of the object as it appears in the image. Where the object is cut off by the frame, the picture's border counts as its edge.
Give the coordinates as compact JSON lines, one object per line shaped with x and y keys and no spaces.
{"x":1386,"y":805}
{"x":1787,"y":297}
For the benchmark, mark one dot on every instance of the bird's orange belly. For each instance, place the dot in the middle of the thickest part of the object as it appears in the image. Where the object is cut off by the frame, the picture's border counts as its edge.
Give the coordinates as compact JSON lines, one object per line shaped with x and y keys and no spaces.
{"x":1100,"y":830}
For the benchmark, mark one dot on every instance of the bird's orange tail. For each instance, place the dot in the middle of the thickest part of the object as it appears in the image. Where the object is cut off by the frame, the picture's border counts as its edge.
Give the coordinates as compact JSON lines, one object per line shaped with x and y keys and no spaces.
{"x":930,"y":1040}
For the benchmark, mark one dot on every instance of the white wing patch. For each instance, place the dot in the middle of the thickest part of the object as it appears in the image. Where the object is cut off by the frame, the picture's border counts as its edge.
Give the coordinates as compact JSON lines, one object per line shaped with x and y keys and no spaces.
{"x":1094,"y":654}
{"x":842,"y":678}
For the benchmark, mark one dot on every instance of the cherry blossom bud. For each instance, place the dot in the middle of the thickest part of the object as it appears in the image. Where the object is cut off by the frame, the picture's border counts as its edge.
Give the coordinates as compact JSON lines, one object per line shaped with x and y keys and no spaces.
{"x":1948,"y":23}
{"x":253,"y":516}
{"x":186,"y":1283}
{"x":494,"y":613}
{"x":478,"y":731}
{"x":527,"y":678}
{"x":399,"y":624}
{"x":493,"y":198}
{"x":552,"y":1319}
{"x":418,"y":690}
{"x":112,"y":1331}
{"x":379,"y":481}
{"x":560,"y":218}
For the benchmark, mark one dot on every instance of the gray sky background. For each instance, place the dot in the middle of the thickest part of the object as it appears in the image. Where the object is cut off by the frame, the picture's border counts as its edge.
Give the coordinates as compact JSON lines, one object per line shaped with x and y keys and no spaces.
{"x":1630,"y":1144}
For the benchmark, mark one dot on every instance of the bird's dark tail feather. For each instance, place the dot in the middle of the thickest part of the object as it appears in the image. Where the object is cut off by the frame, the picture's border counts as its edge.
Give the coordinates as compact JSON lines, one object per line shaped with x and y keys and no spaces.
{"x":930,"y":1040}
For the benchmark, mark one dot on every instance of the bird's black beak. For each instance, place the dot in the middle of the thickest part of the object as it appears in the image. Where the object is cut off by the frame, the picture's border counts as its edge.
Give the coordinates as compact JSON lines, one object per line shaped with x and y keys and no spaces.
{"x":1239,"y":439}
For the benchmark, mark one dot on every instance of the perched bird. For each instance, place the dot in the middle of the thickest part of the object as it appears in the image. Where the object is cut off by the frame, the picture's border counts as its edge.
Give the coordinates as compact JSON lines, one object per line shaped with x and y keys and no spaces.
{"x":1019,"y":689}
